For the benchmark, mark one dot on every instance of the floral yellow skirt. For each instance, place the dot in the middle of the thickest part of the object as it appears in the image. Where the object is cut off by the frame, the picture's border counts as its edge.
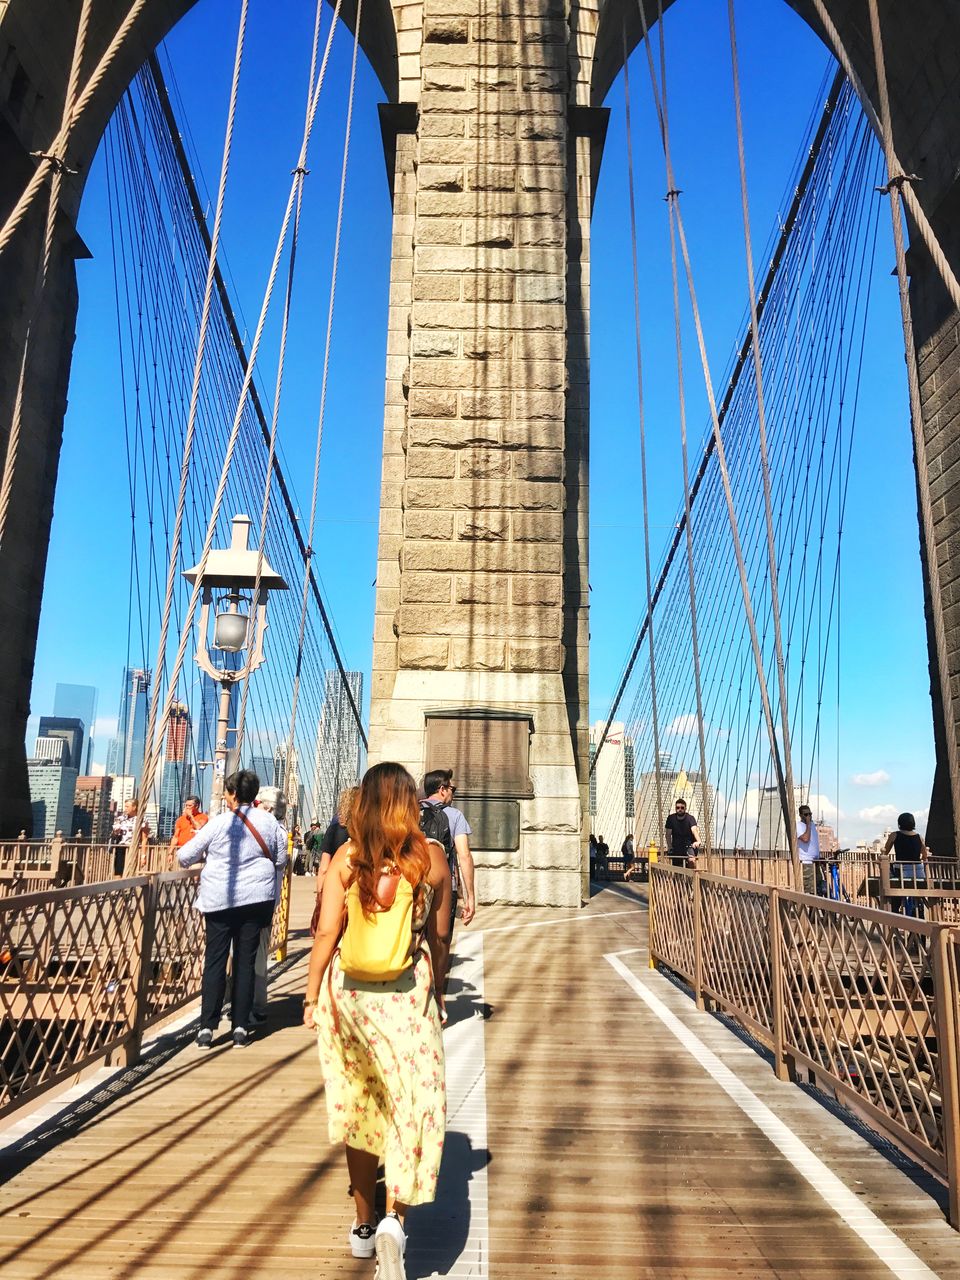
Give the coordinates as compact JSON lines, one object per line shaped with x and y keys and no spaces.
{"x":384,"y":1074}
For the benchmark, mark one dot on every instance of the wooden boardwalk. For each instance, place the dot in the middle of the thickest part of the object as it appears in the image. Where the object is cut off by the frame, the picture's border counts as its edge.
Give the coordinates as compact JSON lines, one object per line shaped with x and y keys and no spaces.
{"x":586,"y":1140}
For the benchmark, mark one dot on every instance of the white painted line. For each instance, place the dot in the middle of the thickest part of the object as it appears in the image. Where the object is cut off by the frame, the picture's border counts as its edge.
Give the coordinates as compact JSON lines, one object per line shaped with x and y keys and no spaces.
{"x":878,"y":1237}
{"x":583,"y":918}
{"x":466,"y":1144}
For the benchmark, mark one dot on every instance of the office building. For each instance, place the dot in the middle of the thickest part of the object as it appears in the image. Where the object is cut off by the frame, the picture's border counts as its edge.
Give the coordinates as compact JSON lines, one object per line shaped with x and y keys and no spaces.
{"x":92,"y":815}
{"x":176,"y":778}
{"x":125,"y":756}
{"x":611,"y":784}
{"x":52,"y":790}
{"x":70,"y":732}
{"x":337,"y":756}
{"x":675,"y":784}
{"x":78,"y":702}
{"x":771,"y":829}
{"x":52,"y":749}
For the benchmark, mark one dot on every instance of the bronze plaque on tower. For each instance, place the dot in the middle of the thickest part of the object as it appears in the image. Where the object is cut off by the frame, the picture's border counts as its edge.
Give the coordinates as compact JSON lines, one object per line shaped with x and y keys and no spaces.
{"x":488,"y":751}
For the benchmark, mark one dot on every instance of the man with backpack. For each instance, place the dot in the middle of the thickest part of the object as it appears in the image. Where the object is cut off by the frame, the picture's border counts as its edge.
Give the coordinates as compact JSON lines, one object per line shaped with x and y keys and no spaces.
{"x":440,"y":821}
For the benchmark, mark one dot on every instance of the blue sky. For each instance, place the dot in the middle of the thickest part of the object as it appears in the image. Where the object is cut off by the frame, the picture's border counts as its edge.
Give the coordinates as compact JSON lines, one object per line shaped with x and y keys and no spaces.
{"x":885,"y":726}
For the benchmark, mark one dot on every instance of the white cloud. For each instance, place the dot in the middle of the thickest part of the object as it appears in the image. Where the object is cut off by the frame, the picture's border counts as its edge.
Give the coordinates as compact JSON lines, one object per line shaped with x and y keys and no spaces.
{"x":879,"y":778}
{"x":684,"y":726}
{"x":879,"y":813}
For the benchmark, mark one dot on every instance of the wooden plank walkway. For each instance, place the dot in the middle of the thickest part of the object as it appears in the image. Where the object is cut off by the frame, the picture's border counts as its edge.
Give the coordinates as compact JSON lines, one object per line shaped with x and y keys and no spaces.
{"x":585,"y":1141}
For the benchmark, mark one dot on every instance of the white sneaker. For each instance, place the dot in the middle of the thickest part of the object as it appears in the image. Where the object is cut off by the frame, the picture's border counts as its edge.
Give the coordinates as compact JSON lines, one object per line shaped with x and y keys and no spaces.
{"x":390,"y":1243}
{"x":360,"y":1238}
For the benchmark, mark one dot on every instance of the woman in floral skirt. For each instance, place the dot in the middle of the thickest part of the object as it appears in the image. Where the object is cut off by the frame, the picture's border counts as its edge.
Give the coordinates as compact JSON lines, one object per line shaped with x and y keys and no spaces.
{"x":379,"y":1037}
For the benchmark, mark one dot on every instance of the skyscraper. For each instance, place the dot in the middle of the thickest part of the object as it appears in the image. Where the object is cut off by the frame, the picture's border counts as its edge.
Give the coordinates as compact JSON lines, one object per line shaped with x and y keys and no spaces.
{"x":125,"y":756}
{"x":52,"y":790}
{"x":91,"y":808}
{"x":337,"y":753}
{"x":771,"y":829}
{"x":177,"y":777}
{"x":611,"y":785}
{"x":70,"y":732}
{"x":78,"y":702}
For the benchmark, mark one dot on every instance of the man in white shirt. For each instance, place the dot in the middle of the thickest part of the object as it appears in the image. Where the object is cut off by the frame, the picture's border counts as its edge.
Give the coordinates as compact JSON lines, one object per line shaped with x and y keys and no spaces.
{"x":808,"y":843}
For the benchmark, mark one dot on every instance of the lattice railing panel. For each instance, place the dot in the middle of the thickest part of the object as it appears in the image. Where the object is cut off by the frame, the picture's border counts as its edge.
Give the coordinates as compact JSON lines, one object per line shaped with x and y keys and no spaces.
{"x":176,"y":967}
{"x":858,"y":997}
{"x":671,"y":924}
{"x":69,"y":971}
{"x":735,"y":943}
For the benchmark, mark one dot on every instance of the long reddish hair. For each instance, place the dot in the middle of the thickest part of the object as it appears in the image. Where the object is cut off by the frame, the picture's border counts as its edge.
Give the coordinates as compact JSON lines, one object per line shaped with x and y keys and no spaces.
{"x":385,"y":831}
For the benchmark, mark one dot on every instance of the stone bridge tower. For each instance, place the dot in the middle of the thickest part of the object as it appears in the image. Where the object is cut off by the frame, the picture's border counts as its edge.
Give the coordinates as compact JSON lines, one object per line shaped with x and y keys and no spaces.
{"x":493,"y":133}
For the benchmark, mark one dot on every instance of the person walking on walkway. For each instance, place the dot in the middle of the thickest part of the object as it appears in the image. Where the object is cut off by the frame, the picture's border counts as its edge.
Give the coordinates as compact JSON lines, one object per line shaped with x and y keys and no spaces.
{"x":683,"y":836}
{"x":270,"y":800}
{"x":442,"y":821}
{"x":246,"y":849}
{"x":122,"y":835}
{"x":374,"y":997}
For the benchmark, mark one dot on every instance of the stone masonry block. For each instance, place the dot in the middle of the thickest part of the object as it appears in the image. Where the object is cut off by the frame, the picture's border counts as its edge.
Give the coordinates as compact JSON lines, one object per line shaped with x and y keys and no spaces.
{"x":452,"y":30}
{"x":484,"y":526}
{"x":432,"y":344}
{"x":504,"y":204}
{"x":532,"y":435}
{"x":429,"y":524}
{"x":422,"y":653}
{"x":439,"y":231}
{"x":528,"y":656}
{"x":539,"y":526}
{"x":539,"y":464}
{"x":464,"y":557}
{"x":441,"y":126}
{"x":540,"y":178}
{"x":436,"y":464}
{"x":483,"y":464}
{"x":551,"y":814}
{"x":553,"y":851}
{"x":480,"y":620}
{"x":443,"y":177}
{"x":478,"y":653}
{"x":479,"y":495}
{"x":485,"y":404}
{"x":539,"y":346}
{"x":426,"y":588}
{"x":481,"y":588}
{"x":541,"y":289}
{"x":488,"y":288}
{"x":486,"y":345}
{"x":433,"y":404}
{"x":537,"y":590}
{"x":491,"y":177}
{"x":538,"y":404}
{"x":444,"y":78}
{"x":538,"y":262}
{"x":454,"y":435}
{"x":436,"y":289}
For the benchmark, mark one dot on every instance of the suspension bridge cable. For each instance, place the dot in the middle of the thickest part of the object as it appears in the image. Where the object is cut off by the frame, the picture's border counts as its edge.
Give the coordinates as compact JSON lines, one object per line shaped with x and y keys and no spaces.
{"x":898,"y":185}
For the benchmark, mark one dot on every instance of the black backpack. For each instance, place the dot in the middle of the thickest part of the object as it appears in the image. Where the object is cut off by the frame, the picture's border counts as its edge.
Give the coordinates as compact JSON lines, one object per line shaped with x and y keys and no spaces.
{"x":435,"y":825}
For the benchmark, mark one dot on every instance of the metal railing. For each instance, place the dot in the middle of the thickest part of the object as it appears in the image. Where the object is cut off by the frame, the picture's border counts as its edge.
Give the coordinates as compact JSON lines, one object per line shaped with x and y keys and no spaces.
{"x":84,"y":971}
{"x":866,"y":1001}
{"x":30,"y":866}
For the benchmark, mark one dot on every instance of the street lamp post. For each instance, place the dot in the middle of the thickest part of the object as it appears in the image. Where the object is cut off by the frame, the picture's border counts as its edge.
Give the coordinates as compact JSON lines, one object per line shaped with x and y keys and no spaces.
{"x":240,"y":624}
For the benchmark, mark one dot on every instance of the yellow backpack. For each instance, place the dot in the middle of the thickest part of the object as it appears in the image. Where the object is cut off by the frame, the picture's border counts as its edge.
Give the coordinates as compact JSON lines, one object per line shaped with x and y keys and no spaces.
{"x":379,"y":947}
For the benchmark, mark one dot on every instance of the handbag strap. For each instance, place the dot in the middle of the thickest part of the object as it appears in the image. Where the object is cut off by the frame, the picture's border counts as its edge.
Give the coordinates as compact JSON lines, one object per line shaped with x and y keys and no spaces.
{"x":256,"y":835}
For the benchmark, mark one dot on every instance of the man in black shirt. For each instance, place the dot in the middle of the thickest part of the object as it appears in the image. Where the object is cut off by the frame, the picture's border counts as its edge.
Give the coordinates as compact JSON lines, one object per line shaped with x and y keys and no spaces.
{"x":683,"y":838}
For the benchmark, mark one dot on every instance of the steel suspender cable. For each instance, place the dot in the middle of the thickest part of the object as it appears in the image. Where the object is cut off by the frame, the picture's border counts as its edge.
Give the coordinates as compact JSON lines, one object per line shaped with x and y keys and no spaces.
{"x":174,"y":557}
{"x":275,"y":418}
{"x":295,"y":696}
{"x":154,"y":748}
{"x":677,"y":225}
{"x":898,"y":183}
{"x":55,"y":156}
{"x":56,"y":162}
{"x":914,"y":207}
{"x":788,"y":798}
{"x":643,"y":437}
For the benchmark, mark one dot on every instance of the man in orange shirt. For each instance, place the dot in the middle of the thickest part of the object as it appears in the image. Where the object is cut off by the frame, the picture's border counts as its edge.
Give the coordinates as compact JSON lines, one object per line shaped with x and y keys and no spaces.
{"x":186,"y":826}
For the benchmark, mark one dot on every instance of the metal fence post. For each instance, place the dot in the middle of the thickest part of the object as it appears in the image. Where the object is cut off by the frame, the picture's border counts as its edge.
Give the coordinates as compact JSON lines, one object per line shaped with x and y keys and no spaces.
{"x":651,"y":863}
{"x":144,"y":968}
{"x":697,"y":940}
{"x":946,"y":989}
{"x":780,"y":1064}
